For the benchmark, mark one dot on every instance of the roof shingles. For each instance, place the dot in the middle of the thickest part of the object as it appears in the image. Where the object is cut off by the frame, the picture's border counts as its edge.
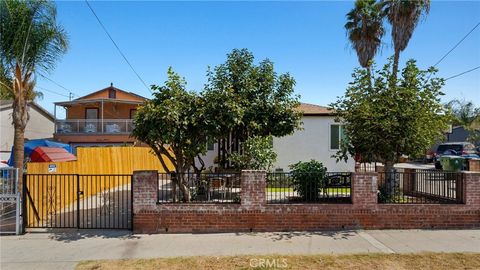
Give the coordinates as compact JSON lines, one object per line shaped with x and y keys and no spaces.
{"x":312,"y":109}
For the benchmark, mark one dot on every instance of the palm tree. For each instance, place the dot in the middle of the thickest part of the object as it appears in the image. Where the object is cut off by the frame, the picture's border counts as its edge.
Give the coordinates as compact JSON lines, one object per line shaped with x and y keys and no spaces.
{"x":31,"y":43}
{"x":464,"y":112}
{"x":365,"y":30}
{"x":404,"y":16}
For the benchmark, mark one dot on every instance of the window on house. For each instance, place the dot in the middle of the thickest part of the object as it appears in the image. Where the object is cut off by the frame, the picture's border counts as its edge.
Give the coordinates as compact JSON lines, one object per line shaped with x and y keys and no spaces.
{"x":210,"y":144}
{"x":132,"y":113}
{"x":91,"y":113}
{"x":112,"y":93}
{"x":336,"y":136}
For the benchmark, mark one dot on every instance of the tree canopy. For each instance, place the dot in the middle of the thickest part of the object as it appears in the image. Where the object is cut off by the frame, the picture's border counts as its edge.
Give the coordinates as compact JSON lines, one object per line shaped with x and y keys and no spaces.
{"x":251,"y":99}
{"x":31,"y":43}
{"x":382,"y":122}
{"x":173,"y":124}
{"x":365,"y":29}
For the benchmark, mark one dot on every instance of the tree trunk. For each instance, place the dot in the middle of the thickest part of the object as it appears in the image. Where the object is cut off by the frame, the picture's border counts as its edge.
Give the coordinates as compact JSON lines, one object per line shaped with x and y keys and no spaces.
{"x":19,"y":154}
{"x":396,"y":59}
{"x":390,"y":178}
{"x":182,"y":177}
{"x":20,"y":119}
{"x":369,"y":74}
{"x":185,"y":191}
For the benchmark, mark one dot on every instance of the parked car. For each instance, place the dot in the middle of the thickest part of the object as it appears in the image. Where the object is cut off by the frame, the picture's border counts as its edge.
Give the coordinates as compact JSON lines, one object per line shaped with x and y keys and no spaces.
{"x":464,"y":149}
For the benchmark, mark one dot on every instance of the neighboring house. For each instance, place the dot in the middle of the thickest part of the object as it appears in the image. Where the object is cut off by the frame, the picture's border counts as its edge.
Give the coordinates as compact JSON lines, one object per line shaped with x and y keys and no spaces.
{"x":319,"y":140}
{"x":102,"y":118}
{"x":458,"y":134}
{"x":39,"y":126}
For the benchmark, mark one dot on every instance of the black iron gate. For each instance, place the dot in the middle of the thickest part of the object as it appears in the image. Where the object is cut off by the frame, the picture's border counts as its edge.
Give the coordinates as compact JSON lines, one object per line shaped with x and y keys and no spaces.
{"x":78,"y":201}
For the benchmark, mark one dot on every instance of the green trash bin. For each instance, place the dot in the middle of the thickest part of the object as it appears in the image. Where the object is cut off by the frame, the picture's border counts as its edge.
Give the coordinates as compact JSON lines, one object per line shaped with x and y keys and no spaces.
{"x":452,"y":163}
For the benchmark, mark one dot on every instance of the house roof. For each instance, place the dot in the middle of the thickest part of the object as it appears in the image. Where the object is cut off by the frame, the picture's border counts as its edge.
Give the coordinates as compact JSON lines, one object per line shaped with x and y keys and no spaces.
{"x":111,"y":87}
{"x":122,"y":96}
{"x":312,"y":109}
{"x":7,"y":104}
{"x":97,"y":100}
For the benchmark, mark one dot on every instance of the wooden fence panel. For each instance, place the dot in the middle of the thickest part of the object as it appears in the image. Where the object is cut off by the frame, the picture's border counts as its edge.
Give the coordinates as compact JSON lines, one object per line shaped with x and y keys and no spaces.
{"x":104,"y":160}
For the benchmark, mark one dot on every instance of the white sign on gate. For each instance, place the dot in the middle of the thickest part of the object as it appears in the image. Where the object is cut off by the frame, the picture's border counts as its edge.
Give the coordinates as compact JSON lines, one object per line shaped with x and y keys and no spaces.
{"x":52,"y":168}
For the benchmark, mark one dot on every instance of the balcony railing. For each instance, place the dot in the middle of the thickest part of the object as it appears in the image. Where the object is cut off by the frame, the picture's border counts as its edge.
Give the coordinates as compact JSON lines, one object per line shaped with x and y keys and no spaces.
{"x":94,"y":126}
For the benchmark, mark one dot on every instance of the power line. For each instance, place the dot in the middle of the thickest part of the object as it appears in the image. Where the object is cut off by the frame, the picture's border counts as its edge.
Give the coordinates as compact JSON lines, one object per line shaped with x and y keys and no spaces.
{"x":456,"y":45}
{"x":57,"y":84}
{"x":460,"y":74}
{"x":116,"y":46}
{"x":70,"y":93}
{"x":53,"y":92}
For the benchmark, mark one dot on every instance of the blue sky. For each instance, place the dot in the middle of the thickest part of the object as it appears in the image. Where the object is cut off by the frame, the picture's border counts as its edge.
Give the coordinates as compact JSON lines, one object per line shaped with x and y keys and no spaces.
{"x":306,"y":39}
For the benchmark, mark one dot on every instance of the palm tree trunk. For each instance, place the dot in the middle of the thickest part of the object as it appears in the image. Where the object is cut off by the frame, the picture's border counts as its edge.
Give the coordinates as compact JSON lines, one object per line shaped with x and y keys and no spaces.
{"x":396,"y":59}
{"x":20,"y":118}
{"x":369,"y":74}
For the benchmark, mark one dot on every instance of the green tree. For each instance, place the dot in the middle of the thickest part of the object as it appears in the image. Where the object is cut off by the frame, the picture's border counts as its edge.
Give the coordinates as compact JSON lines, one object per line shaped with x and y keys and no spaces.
{"x":404,"y":16}
{"x":365,"y":30}
{"x":382,"y":123}
{"x":249,"y":100}
{"x":173,"y":124}
{"x":258,"y":154}
{"x":31,"y":43}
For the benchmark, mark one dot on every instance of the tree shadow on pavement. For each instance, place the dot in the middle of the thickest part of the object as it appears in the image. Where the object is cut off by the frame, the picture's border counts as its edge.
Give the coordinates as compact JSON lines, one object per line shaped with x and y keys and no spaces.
{"x":281,"y":236}
{"x":70,"y":235}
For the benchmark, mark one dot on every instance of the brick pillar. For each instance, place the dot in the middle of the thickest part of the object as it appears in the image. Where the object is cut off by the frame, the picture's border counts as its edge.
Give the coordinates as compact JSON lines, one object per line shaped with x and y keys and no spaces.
{"x":364,"y":189}
{"x":474,"y":165}
{"x":253,"y":184}
{"x":145,"y":188}
{"x":471,"y":189}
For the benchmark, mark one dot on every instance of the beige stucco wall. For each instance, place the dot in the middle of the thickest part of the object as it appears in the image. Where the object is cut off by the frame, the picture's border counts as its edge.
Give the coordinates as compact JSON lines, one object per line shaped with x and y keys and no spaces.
{"x":38,"y":127}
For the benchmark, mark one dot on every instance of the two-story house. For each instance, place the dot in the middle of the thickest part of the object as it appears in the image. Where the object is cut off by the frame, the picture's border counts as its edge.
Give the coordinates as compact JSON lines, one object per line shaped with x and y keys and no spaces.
{"x":102,"y":118}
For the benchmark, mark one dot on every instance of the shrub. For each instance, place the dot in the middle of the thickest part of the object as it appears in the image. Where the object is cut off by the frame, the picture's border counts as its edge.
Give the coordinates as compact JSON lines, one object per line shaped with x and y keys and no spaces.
{"x":308,"y":179}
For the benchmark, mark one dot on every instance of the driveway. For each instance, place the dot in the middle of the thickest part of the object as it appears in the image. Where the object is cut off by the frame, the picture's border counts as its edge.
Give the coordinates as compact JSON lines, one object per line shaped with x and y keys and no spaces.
{"x":64,"y":249}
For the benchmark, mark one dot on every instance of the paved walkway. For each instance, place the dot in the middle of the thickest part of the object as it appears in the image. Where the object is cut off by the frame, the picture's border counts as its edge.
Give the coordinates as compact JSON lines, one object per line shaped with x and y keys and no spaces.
{"x":63,"y":250}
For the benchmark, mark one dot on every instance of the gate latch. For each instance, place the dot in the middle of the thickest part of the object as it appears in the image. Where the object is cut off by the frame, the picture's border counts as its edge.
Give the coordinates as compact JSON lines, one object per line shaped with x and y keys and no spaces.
{"x":80,"y":192}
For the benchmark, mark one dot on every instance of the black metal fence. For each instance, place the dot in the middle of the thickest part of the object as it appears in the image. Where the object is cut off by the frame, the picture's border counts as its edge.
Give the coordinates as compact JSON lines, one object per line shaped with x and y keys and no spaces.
{"x":78,"y":201}
{"x":199,"y":188}
{"x":420,"y":187}
{"x":366,"y":167}
{"x":288,"y":187}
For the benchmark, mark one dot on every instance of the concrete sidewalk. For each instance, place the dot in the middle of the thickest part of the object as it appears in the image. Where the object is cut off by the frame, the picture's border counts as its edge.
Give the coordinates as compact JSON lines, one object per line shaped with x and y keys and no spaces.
{"x":63,"y":250}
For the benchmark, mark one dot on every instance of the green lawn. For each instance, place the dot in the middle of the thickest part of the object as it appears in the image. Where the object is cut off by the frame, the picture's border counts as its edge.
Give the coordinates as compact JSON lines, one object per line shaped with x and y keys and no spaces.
{"x":290,"y":190}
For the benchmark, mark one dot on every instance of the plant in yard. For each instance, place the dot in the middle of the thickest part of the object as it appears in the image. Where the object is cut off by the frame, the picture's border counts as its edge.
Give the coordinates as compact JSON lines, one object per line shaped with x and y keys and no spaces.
{"x":258,"y":154}
{"x":173,"y":124}
{"x":308,"y":179}
{"x":249,"y":100}
{"x":31,"y":42}
{"x":382,"y":123}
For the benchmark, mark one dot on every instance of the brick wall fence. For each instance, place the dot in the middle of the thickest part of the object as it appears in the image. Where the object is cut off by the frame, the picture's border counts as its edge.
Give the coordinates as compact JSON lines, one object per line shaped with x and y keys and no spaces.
{"x":253,"y":214}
